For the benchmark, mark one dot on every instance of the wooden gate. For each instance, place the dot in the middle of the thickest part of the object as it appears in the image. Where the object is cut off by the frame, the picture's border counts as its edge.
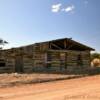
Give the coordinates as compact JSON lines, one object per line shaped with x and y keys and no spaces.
{"x":63,"y":60}
{"x":19,"y":64}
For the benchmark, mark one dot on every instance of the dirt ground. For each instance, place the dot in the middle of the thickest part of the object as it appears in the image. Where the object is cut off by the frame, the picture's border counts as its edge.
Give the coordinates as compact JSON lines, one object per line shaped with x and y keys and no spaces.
{"x":14,"y":79}
{"x":87,"y":88}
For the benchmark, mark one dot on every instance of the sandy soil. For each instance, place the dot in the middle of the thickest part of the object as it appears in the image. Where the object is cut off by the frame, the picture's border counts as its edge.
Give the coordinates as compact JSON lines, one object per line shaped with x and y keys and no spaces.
{"x":14,"y":79}
{"x":87,"y":88}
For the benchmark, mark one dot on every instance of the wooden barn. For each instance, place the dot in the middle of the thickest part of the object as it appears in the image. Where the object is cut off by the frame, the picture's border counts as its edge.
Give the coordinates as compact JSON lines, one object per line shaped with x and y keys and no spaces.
{"x":56,"y":55}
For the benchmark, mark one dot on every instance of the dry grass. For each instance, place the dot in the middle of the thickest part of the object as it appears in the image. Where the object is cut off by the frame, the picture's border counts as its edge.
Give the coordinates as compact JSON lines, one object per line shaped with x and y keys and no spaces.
{"x":18,"y":79}
{"x":95,"y":62}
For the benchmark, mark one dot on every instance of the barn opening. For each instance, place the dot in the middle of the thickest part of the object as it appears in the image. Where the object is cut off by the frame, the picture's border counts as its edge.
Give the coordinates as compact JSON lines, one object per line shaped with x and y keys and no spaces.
{"x":2,"y":63}
{"x":19,"y":64}
{"x":79,"y":60}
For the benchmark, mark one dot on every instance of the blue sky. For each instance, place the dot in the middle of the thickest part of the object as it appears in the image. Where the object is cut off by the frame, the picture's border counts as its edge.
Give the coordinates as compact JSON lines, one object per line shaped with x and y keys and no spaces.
{"x":24,"y":22}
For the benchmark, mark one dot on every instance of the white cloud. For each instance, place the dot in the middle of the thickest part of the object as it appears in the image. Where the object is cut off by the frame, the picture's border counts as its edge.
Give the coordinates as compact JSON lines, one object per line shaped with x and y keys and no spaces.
{"x":69,"y":9}
{"x":56,"y":8}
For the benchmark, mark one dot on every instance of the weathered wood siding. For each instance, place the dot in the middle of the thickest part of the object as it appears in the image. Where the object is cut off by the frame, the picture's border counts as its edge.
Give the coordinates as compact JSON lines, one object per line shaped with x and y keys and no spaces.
{"x":41,"y":57}
{"x":27,"y":64}
{"x":39,"y":51}
{"x":68,"y":60}
{"x":7,"y":63}
{"x":73,"y":62}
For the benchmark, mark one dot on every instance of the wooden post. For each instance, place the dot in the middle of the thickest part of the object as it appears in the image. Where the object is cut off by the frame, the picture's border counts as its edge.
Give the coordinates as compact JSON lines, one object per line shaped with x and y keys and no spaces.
{"x":65,"y":44}
{"x":50,"y":45}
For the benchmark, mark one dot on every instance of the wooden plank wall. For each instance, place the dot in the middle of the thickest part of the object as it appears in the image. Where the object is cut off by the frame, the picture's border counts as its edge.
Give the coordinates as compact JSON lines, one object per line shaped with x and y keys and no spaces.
{"x":27,"y":64}
{"x":9,"y":63}
{"x":71,"y":60}
{"x":35,"y":57}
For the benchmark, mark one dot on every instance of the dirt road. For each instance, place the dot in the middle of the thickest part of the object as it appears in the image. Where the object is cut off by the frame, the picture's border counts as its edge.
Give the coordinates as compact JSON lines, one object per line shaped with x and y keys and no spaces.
{"x":87,"y":88}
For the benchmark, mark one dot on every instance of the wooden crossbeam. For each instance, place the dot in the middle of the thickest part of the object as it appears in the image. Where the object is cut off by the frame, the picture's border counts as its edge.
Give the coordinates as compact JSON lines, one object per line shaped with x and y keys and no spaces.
{"x":69,"y":46}
{"x":55,"y":45}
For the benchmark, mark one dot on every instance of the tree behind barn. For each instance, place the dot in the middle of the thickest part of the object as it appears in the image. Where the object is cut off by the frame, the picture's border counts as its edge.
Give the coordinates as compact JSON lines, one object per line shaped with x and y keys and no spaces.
{"x":2,"y":43}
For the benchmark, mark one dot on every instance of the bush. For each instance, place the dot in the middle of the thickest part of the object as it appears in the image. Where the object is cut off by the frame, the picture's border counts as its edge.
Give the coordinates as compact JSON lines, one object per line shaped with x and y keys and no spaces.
{"x":95,"y":55}
{"x":95,"y":62}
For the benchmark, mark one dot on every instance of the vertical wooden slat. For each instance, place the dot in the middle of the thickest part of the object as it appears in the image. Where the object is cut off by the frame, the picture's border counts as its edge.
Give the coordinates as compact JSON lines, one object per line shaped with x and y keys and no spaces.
{"x":65,"y":44}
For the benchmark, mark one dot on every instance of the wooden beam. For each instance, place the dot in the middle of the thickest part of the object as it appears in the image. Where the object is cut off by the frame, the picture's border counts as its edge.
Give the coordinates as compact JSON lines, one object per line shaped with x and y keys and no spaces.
{"x":50,"y":45}
{"x":69,"y":46}
{"x":55,"y":45}
{"x":65,"y":44}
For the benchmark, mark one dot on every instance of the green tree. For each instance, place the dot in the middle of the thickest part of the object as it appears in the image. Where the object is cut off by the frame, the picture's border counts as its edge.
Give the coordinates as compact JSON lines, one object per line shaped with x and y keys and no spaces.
{"x":2,"y":43}
{"x":95,"y":55}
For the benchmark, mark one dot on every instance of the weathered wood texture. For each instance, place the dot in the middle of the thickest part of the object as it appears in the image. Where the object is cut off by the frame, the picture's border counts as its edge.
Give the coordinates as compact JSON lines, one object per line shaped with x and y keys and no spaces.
{"x":46,"y":56}
{"x":7,"y":63}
